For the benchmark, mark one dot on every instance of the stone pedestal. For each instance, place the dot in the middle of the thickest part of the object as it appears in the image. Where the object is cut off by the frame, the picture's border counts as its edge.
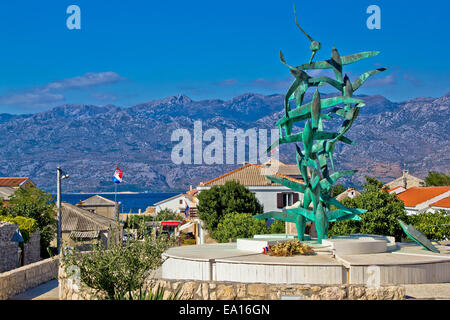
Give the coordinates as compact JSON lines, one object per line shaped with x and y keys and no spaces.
{"x":9,"y":258}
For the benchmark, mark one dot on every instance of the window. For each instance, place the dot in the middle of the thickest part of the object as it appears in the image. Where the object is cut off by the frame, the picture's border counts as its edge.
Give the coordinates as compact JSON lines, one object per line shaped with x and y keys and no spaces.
{"x":285,"y":199}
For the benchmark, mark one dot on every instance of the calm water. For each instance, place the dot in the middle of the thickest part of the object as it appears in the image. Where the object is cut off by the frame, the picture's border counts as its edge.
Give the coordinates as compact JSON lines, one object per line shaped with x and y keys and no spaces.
{"x":128,"y":202}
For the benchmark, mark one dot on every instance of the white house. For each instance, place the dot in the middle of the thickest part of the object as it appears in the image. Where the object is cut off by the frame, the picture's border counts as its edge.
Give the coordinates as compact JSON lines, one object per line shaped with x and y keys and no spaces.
{"x":422,"y":199}
{"x":272,"y":196}
{"x":178,"y":203}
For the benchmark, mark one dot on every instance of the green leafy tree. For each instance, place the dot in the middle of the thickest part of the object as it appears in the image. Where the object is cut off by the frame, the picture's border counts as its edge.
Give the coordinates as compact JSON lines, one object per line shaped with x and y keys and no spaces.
{"x":437,"y":179}
{"x":383,"y":211}
{"x":434,"y":225}
{"x":278,"y":226}
{"x":219,"y":201}
{"x":239,"y":225}
{"x":167,"y":214}
{"x":32,"y":202}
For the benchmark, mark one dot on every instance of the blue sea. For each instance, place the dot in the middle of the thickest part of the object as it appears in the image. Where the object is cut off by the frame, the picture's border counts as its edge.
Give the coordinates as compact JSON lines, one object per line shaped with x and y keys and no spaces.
{"x":131,"y":201}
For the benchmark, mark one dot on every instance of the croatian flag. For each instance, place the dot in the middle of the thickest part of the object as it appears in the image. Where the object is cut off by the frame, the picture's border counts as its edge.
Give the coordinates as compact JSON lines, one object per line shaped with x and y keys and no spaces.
{"x":186,"y":209}
{"x":117,"y":178}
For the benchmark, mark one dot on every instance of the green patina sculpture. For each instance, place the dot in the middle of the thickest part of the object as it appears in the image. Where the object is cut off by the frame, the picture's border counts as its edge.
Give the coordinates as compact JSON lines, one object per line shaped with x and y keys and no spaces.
{"x":318,"y":144}
{"x":418,"y":237}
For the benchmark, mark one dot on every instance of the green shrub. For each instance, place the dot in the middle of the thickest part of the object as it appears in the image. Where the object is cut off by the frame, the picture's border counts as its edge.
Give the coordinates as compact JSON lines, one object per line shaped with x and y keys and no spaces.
{"x":32,"y":202}
{"x":383,"y":212}
{"x":278,"y":226}
{"x":26,"y":225}
{"x":215,"y":203}
{"x":167,"y":214}
{"x":239,"y":225}
{"x":189,"y":241}
{"x":435,"y":226}
{"x":437,"y":179}
{"x":121,"y":271}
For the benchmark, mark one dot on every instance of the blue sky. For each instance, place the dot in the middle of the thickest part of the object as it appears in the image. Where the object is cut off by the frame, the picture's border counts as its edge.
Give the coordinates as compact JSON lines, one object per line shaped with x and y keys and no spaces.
{"x":129,"y":52}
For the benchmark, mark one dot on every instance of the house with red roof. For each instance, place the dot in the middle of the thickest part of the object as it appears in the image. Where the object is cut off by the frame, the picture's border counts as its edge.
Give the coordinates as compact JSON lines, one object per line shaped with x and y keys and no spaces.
{"x":273,"y":196}
{"x":422,"y":199}
{"x":9,"y":185}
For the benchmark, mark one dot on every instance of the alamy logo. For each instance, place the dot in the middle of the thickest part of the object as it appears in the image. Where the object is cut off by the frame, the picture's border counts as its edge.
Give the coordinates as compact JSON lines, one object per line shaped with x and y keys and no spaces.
{"x":374,"y":20}
{"x":230,"y":149}
{"x":74,"y":20}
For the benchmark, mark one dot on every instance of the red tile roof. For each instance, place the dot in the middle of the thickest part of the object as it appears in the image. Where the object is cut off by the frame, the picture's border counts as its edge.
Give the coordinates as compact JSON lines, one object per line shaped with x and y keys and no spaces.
{"x":247,"y":175}
{"x":443,"y":203}
{"x":416,"y":195}
{"x":392,"y":189}
{"x":12,"y":181}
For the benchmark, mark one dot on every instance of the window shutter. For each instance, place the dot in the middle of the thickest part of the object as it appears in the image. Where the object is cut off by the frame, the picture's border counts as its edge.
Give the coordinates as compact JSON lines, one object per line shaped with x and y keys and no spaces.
{"x":279,"y":200}
{"x":295,"y":197}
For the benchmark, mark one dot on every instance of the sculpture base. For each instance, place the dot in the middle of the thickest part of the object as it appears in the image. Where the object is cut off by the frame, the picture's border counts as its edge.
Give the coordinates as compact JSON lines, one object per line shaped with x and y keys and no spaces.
{"x":408,"y":264}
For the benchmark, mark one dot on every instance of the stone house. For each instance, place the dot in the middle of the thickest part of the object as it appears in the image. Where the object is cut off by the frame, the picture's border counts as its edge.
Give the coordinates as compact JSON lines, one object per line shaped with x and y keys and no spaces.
{"x":99,"y":205}
{"x":406,"y":181}
{"x":81,"y":227}
{"x":349,"y":193}
{"x":178,"y":203}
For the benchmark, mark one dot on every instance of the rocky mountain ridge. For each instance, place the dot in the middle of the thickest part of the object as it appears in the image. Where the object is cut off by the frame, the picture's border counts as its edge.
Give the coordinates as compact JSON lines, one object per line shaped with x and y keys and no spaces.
{"x":88,"y":141}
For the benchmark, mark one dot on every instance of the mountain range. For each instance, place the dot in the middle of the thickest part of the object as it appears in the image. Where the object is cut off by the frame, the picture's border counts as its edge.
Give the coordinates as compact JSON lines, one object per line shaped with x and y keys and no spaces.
{"x":88,"y":141}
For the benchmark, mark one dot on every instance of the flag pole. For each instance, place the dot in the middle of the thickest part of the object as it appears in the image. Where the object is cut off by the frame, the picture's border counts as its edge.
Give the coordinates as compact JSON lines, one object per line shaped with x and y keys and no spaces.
{"x":115,"y":201}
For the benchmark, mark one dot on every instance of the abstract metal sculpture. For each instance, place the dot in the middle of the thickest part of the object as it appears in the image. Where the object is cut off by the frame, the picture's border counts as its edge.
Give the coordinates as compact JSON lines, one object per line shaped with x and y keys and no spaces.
{"x":312,"y":160}
{"x":418,"y":237}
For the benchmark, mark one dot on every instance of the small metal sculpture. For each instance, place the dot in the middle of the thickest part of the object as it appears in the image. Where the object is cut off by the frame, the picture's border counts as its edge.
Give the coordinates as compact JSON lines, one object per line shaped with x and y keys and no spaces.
{"x":418,"y":237}
{"x":312,"y":161}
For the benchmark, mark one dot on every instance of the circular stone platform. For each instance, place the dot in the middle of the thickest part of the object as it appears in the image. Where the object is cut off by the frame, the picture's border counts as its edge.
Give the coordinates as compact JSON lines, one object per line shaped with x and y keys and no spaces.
{"x":407,"y":264}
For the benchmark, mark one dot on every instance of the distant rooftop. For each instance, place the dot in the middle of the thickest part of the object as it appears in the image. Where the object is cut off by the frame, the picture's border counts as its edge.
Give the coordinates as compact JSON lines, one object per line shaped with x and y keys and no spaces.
{"x":417,"y":195}
{"x":254,"y":175}
{"x":13,"y":181}
{"x":76,"y":219}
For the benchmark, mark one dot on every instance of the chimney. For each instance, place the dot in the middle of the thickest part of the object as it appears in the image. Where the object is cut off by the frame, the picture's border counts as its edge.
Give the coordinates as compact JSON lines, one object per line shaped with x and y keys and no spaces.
{"x":190,"y":187}
{"x":405,"y":180}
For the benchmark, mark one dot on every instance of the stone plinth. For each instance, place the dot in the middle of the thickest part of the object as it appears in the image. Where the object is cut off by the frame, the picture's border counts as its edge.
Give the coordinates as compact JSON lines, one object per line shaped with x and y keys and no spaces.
{"x":32,"y":249}
{"x":408,"y":264}
{"x":254,"y":245}
{"x":9,"y":258}
{"x":356,"y":246}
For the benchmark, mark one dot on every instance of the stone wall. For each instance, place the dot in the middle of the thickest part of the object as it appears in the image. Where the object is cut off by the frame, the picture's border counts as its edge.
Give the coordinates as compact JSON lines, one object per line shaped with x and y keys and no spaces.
{"x":9,"y":258}
{"x":210,"y":290}
{"x":32,"y":249}
{"x":19,"y":280}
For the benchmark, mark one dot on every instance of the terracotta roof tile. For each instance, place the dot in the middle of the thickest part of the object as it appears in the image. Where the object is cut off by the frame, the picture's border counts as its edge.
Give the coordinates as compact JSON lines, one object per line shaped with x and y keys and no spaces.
{"x":443,"y":203}
{"x":74,"y":218}
{"x":247,"y":175}
{"x":12,"y":181}
{"x":416,"y":195}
